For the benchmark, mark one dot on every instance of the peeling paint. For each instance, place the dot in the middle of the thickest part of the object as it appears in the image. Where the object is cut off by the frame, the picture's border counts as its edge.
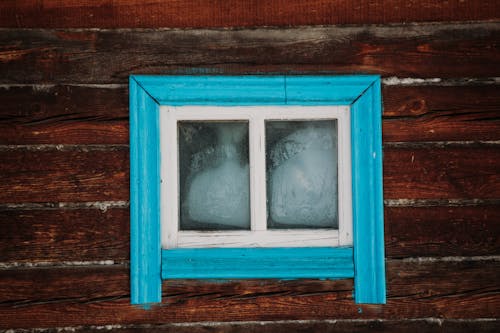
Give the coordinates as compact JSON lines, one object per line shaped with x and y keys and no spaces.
{"x":10,"y":265}
{"x":441,"y":144}
{"x":102,"y":205}
{"x":450,"y":259}
{"x":65,"y":147}
{"x":409,"y":81}
{"x":439,"y":202}
{"x":429,"y":320}
{"x":395,"y":81}
{"x":48,"y":87}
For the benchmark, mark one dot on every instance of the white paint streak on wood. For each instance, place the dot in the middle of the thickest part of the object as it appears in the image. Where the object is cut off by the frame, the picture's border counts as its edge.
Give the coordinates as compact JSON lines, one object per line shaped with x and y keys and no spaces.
{"x":50,"y":87}
{"x":441,"y":144}
{"x":10,"y":265}
{"x":102,"y":205}
{"x":215,"y":324}
{"x":395,"y":81}
{"x":413,"y":81}
{"x":65,"y":147}
{"x":449,"y":259}
{"x":439,"y":202}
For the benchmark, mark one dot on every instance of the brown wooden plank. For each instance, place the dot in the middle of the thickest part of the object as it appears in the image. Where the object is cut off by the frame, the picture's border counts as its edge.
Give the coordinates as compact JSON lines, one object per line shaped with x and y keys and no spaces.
{"x":441,"y":231}
{"x":76,"y":175}
{"x":427,"y":172}
{"x":110,"y":56}
{"x":464,"y":289}
{"x":444,"y":113}
{"x":73,"y":284}
{"x":427,"y":325}
{"x":64,"y":175}
{"x":65,"y":114}
{"x":54,"y":235}
{"x":235,"y":13}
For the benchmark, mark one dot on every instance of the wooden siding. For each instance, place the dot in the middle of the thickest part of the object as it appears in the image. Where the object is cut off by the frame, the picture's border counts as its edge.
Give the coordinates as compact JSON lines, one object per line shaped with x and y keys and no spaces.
{"x":236,"y":13}
{"x":83,"y":56}
{"x":64,"y":168}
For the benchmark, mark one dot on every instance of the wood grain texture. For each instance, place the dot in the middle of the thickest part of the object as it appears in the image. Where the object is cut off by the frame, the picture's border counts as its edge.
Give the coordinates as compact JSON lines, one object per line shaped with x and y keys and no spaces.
{"x":441,"y":231}
{"x":64,"y":176}
{"x":100,"y":296}
{"x":53,"y":235}
{"x":110,"y":56}
{"x":235,"y":13}
{"x":427,"y":325}
{"x":451,"y":173}
{"x":65,"y":114}
{"x":445,"y":113}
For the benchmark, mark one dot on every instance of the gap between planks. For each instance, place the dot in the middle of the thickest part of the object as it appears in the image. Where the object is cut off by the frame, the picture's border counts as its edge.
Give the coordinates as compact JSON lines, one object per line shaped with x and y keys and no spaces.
{"x":429,"y":320}
{"x":112,"y":147}
{"x":105,"y":205}
{"x":388,"y":81}
{"x":125,"y":264}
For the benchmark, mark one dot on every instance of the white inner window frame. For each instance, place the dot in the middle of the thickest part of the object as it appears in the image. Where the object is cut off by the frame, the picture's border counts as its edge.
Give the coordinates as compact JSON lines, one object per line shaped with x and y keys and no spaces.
{"x":258,"y":235}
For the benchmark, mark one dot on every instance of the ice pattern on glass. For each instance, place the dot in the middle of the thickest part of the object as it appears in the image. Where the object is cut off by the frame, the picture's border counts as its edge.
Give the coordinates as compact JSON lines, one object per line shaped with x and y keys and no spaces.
{"x":301,"y":167}
{"x":214,"y":175}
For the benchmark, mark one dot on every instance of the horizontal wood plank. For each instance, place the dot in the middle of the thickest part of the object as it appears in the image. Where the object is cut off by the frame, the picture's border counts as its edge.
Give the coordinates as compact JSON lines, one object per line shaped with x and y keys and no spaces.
{"x":55,"y":235}
{"x":427,"y":325}
{"x":451,"y":173}
{"x":86,"y":296}
{"x":64,"y":176}
{"x":235,"y":13}
{"x":110,"y":56}
{"x":441,"y":231}
{"x":443,"y":113}
{"x":82,"y":174}
{"x":65,"y":114}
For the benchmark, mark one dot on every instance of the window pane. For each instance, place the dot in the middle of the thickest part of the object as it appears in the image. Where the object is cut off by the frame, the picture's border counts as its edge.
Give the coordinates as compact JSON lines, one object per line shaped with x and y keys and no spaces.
{"x":301,"y":170}
{"x":214,"y":179}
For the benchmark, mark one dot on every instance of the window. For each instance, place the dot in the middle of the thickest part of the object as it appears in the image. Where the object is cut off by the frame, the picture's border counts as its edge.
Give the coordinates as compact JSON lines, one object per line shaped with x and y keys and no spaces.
{"x":256,"y":177}
{"x":273,"y":176}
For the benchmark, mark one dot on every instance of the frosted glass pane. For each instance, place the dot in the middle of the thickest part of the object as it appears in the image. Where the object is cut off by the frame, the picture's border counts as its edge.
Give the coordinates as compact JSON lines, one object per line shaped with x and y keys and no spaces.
{"x":301,"y":170}
{"x":214,"y":179}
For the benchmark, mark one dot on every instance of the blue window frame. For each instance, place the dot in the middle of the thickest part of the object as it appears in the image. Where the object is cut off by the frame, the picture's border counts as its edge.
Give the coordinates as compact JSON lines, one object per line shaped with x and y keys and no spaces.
{"x":364,"y":261}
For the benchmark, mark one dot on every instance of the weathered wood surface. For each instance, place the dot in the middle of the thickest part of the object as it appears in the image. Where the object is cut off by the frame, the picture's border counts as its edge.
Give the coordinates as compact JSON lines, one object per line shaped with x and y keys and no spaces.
{"x":427,"y":325}
{"x":54,"y":235}
{"x":99,"y":296}
{"x":110,"y":56}
{"x":441,"y":231}
{"x":61,"y":235}
{"x":64,"y":175}
{"x":65,"y":114}
{"x":82,"y":174}
{"x":452,"y":172}
{"x":235,"y":13}
{"x":446,"y":113}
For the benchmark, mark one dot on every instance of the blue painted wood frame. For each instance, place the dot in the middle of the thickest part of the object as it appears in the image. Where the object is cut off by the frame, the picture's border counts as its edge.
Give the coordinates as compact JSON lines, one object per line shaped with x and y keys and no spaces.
{"x":365,"y":261}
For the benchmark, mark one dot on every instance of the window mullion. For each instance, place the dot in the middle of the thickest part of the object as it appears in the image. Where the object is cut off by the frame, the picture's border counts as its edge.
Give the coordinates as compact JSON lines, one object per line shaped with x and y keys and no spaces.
{"x":258,"y":172}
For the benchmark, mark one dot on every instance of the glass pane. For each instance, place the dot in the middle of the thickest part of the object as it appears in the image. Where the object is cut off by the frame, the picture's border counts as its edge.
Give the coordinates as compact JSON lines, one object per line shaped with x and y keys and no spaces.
{"x":301,"y":170}
{"x":214,"y":178}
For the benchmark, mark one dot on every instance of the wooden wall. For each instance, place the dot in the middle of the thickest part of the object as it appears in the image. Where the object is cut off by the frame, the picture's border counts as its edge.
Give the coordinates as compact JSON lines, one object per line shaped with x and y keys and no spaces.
{"x":64,"y":217}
